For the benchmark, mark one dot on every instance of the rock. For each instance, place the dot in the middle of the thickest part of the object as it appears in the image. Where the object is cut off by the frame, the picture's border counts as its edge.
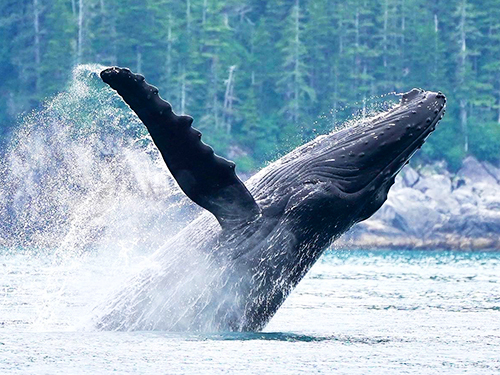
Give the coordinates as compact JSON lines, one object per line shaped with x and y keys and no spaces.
{"x":426,"y":209}
{"x":484,"y":189}
{"x":467,"y":210}
{"x":410,"y":176}
{"x":474,"y":222}
{"x":398,"y":183}
{"x":465,"y":195}
{"x":489,"y":196}
{"x":489,"y":222}
{"x":435,"y":186}
{"x":438,"y":167}
{"x":377,"y":227}
{"x":414,"y":212}
{"x":448,"y":206}
{"x":473,"y":171}
{"x":492,"y":202}
{"x":492,"y":170}
{"x":386,"y":213}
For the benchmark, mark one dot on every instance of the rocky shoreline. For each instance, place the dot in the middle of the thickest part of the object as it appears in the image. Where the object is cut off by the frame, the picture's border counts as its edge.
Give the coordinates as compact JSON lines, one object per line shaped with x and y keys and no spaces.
{"x":431,"y":208}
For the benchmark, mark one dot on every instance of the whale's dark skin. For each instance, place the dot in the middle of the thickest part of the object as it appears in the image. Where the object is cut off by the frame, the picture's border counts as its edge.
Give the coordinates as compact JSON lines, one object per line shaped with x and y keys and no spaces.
{"x":271,"y":233}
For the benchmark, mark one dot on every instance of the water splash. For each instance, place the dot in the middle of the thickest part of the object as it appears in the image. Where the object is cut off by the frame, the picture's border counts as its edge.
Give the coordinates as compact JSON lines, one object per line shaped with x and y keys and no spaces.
{"x":85,"y":189}
{"x":80,"y":179}
{"x":345,"y":116}
{"x":82,"y":171}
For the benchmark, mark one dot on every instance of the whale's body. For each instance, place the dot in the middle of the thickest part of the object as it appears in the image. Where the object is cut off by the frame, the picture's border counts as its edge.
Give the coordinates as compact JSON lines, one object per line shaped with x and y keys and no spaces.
{"x":233,"y":273}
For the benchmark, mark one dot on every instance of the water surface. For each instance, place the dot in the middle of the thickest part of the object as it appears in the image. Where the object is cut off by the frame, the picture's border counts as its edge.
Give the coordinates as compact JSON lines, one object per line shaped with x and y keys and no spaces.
{"x":356,"y":312}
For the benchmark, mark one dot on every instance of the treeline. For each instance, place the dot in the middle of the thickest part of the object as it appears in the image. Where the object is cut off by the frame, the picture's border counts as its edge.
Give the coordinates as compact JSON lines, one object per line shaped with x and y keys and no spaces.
{"x":261,"y":76}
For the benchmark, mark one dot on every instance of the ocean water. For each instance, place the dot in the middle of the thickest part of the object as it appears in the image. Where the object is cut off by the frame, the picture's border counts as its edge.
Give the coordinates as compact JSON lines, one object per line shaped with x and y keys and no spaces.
{"x":356,"y":312}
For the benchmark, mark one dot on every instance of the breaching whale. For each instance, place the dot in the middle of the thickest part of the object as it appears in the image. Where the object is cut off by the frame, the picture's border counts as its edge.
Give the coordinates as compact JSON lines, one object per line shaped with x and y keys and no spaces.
{"x":233,"y":273}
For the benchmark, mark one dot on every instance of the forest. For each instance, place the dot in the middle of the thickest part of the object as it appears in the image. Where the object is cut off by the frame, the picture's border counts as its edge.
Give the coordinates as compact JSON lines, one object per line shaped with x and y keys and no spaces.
{"x":262,"y":76}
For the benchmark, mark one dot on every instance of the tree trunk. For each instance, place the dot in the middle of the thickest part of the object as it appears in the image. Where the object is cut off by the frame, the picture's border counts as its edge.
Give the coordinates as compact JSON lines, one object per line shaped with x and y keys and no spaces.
{"x":363,"y":108}
{"x":335,"y":95}
{"x":114,"y":36}
{"x":461,"y":74}
{"x":169,"y":52}
{"x":204,"y":14}
{"x":357,"y":61}
{"x":341,"y":38}
{"x":463,"y":40}
{"x":183,"y":90}
{"x":228,"y":99}
{"x":436,"y":43}
{"x":138,"y":59}
{"x":188,"y":16}
{"x":384,"y":37}
{"x":80,"y":32}
{"x":403,"y":30}
{"x":356,"y":29}
{"x":498,"y":93}
{"x":363,"y":112}
{"x":215,"y":102}
{"x":296,"y":63}
{"x":36,"y":23}
{"x":463,"y":123}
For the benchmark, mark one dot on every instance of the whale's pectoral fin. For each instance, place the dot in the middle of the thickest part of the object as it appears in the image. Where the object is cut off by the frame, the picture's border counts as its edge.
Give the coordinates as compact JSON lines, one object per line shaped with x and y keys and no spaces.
{"x":209,"y":180}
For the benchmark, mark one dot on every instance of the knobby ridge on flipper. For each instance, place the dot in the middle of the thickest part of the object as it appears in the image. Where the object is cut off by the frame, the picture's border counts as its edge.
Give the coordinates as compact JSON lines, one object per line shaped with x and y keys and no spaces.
{"x":206,"y":178}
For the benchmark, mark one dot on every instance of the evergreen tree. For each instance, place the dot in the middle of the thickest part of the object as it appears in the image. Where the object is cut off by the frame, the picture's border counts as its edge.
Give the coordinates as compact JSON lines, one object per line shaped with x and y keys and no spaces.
{"x":257,"y":75}
{"x":293,"y":83}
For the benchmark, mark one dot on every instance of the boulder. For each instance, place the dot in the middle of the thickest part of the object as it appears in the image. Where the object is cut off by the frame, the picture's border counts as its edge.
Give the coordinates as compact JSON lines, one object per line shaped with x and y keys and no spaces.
{"x":427,"y":208}
{"x":492,"y":170}
{"x":410,"y":176}
{"x":474,"y":222}
{"x":414,"y":212}
{"x":386,"y":213}
{"x":491,"y":202}
{"x":438,"y":167}
{"x":434,"y":186}
{"x":473,"y":171}
{"x":465,"y":195}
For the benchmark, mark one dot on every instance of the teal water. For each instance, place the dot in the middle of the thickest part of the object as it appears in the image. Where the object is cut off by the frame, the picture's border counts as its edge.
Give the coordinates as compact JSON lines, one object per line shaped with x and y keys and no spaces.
{"x":356,"y":312}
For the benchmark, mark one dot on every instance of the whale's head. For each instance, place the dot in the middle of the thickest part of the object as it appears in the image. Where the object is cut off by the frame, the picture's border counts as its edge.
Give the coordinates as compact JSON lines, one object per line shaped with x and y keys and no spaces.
{"x":344,"y":177}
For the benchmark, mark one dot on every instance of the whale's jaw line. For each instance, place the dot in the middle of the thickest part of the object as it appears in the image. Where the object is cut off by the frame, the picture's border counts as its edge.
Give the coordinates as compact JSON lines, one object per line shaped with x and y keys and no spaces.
{"x":373,"y":151}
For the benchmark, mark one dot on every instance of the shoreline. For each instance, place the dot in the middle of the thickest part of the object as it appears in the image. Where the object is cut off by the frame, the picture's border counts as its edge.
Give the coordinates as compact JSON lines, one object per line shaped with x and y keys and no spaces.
{"x":373,"y":242}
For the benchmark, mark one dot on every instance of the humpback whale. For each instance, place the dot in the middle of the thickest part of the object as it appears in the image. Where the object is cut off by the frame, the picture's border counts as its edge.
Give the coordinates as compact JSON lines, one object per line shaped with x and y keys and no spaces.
{"x":240,"y":260}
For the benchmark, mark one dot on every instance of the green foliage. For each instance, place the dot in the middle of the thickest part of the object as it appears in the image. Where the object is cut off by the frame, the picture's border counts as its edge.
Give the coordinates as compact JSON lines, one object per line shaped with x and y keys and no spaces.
{"x":245,"y":164}
{"x":485,"y":140}
{"x":258,"y":74}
